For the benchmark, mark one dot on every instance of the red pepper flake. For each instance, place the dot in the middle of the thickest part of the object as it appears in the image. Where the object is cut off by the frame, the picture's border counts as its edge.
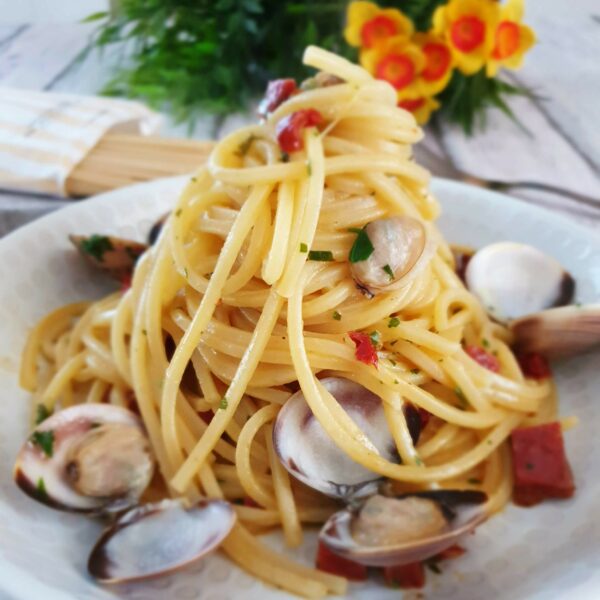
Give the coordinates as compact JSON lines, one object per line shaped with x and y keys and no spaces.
{"x":125,"y":282}
{"x":483,"y":358}
{"x":540,"y":467}
{"x":450,"y":553}
{"x":534,"y":365}
{"x":278,"y":91}
{"x":289,"y":129}
{"x":365,"y":350}
{"x":250,"y":502}
{"x":405,"y":576}
{"x":330,"y":562}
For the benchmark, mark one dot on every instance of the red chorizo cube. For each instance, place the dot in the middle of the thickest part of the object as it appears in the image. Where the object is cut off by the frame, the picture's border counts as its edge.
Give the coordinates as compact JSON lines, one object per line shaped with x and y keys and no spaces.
{"x":540,"y":466}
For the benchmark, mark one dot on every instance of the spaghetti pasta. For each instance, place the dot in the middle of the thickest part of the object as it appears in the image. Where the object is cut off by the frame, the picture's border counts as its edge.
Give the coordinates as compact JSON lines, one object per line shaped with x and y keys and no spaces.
{"x":227,"y":314}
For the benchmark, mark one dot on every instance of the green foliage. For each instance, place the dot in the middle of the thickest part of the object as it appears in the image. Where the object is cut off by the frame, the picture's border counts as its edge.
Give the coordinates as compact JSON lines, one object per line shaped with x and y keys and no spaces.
{"x":465,"y":100}
{"x":187,"y":56}
{"x":420,"y":12}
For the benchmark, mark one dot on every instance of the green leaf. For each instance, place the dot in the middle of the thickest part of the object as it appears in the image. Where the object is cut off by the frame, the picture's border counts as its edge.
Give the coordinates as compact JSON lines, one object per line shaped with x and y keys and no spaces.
{"x":362,"y":247}
{"x":224,"y":403}
{"x":42,"y":413}
{"x":96,"y":245}
{"x":322,"y":255}
{"x":45,"y":440}
{"x":337,"y":316}
{"x":394,"y":322}
{"x":389,"y":271}
{"x":95,"y":17}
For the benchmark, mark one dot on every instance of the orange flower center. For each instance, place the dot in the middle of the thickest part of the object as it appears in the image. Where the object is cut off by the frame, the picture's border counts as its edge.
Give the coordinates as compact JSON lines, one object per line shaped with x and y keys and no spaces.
{"x":437,"y":58}
{"x":508,"y":39}
{"x":397,"y":69}
{"x":377,"y":29}
{"x":467,"y":33}
{"x":412,"y":105}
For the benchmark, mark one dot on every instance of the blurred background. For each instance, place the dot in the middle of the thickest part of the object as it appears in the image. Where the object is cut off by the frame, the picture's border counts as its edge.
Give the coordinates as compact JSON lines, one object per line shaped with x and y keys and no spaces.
{"x":525,"y":121}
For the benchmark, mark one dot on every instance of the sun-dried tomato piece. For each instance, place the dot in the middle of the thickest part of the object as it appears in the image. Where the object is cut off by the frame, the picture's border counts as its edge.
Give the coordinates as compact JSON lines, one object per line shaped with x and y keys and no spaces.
{"x":485,"y":359}
{"x":289,"y":129}
{"x":365,"y":350}
{"x":278,"y":91}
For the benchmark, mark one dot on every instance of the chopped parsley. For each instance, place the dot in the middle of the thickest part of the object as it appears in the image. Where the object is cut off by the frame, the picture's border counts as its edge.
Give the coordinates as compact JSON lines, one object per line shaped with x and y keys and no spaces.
{"x":42,"y":413}
{"x":461,"y":396}
{"x":96,"y":246}
{"x":432,"y":565}
{"x":303,"y":247}
{"x":322,"y":255}
{"x":418,"y":461}
{"x":485,"y":342}
{"x":245,"y":146}
{"x":362,"y":247}
{"x":285,"y":157}
{"x":144,"y":332}
{"x":375,"y":338}
{"x":394,"y":322}
{"x":474,"y":481}
{"x":389,"y":271}
{"x":415,"y":371}
{"x":178,"y":212}
{"x":309,"y":167}
{"x":223,"y":404}
{"x":41,"y":488}
{"x":392,"y":362}
{"x":45,"y":440}
{"x":185,"y":272}
{"x":337,"y":316}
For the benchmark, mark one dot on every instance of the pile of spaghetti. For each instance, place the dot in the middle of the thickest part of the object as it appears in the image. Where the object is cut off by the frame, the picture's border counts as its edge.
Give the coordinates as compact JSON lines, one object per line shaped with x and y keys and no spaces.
{"x":248,"y":295}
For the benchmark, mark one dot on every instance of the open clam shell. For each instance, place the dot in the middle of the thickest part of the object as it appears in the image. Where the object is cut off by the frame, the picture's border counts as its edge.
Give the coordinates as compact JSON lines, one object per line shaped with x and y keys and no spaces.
{"x":401,"y":248}
{"x":513,"y":280}
{"x":403,"y":530}
{"x":310,"y":455}
{"x":558,"y":332}
{"x":87,"y":458}
{"x":156,"y":539}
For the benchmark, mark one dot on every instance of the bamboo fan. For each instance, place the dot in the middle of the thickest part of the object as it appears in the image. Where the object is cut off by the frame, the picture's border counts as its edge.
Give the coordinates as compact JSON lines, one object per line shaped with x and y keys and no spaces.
{"x":119,"y":160}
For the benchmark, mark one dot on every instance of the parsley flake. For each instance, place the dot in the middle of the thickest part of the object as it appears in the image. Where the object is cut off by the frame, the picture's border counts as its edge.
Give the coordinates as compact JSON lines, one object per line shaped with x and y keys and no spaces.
{"x":418,"y":461}
{"x":42,"y":413}
{"x":178,"y":212}
{"x":303,"y":247}
{"x":433,"y":566}
{"x":337,"y":316}
{"x":394,"y":322}
{"x":45,"y":440}
{"x":389,"y":271}
{"x":41,"y":487}
{"x":392,"y":362}
{"x":308,"y":168}
{"x":474,"y":481}
{"x":375,"y":338}
{"x":461,"y":397}
{"x":415,"y":371}
{"x":362,"y":247}
{"x":96,"y":246}
{"x":223,"y":404}
{"x":285,"y":157}
{"x":245,"y":146}
{"x":485,"y":342}
{"x":322,"y":255}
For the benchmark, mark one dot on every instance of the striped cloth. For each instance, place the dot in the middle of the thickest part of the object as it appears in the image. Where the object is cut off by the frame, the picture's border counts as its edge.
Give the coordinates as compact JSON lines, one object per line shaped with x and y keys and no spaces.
{"x":43,"y":135}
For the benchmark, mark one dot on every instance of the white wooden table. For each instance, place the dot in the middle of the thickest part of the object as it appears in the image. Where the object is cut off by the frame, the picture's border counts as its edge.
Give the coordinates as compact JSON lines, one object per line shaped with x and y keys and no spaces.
{"x":561,"y":145}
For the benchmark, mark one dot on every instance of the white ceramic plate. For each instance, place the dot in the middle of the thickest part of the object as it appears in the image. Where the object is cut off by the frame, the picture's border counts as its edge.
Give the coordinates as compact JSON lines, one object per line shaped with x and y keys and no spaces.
{"x":551,"y":551}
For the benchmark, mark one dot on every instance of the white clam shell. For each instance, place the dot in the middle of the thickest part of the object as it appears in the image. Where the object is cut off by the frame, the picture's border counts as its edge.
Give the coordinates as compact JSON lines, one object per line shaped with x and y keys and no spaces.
{"x":155,"y":539}
{"x":69,"y":426}
{"x":512,"y":280}
{"x":311,"y":456}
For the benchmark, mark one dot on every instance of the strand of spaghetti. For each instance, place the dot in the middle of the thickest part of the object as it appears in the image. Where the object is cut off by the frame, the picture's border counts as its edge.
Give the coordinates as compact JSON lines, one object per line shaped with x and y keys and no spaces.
{"x":251,"y":485}
{"x":292,"y":529}
{"x":314,"y":197}
{"x":276,"y":258}
{"x":52,"y":324}
{"x":193,"y":334}
{"x":119,"y":327}
{"x":236,"y":390}
{"x":61,"y":379}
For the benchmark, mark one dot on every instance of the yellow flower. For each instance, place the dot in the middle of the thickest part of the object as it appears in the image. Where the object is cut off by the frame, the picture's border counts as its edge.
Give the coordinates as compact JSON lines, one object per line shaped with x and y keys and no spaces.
{"x":468,"y":26}
{"x":439,"y":63}
{"x":511,"y":40}
{"x":397,"y":61}
{"x":421,"y":108}
{"x":367,"y":24}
